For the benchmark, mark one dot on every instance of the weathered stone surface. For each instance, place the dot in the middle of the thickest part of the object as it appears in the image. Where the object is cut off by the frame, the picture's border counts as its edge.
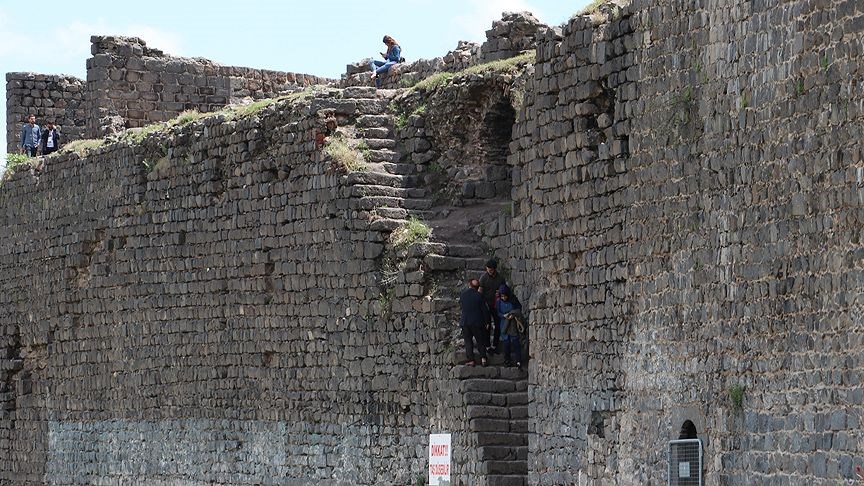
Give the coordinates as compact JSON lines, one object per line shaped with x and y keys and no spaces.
{"x":683,"y":217}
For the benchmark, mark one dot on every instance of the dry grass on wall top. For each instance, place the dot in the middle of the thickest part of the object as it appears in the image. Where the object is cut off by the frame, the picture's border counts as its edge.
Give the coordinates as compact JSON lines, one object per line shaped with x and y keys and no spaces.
{"x":410,"y":232}
{"x":509,"y":65}
{"x":81,"y":147}
{"x":345,"y":156}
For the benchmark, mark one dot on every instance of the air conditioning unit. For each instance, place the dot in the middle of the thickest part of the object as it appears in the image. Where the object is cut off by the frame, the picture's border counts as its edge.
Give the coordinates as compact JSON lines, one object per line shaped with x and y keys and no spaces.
{"x":685,"y":462}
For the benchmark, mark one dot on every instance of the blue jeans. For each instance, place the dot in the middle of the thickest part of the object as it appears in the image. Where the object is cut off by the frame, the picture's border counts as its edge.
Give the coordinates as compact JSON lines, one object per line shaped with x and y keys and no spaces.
{"x":380,"y":67}
{"x":512,"y":343}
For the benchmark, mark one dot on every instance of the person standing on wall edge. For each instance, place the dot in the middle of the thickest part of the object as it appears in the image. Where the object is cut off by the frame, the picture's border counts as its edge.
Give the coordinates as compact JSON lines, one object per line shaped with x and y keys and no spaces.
{"x":50,"y":139}
{"x":391,"y":57}
{"x":31,"y":135}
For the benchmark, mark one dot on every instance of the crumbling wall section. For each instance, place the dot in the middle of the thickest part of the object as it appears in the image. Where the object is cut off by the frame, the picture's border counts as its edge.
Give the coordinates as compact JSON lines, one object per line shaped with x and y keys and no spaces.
{"x":55,"y":98}
{"x":143,"y":85}
{"x":514,"y":34}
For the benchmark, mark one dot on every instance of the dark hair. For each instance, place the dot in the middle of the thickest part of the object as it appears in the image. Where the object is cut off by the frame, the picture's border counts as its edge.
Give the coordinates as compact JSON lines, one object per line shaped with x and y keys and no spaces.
{"x":492,"y":263}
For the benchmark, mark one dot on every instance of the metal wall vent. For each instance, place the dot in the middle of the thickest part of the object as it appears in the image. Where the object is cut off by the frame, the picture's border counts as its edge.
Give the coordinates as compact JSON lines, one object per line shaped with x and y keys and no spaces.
{"x":685,"y":462}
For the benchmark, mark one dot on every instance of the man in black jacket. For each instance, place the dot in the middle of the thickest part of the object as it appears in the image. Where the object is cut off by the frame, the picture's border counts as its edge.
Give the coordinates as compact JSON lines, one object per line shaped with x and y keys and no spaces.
{"x":475,"y":315}
{"x":50,"y":139}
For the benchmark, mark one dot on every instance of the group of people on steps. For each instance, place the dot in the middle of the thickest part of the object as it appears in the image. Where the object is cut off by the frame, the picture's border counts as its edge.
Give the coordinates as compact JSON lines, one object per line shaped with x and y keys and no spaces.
{"x":491,"y":318}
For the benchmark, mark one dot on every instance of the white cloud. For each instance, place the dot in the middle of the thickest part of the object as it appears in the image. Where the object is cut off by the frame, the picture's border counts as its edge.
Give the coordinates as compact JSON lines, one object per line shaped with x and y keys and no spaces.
{"x":14,"y":40}
{"x":76,"y":36}
{"x":169,"y":42}
{"x":479,"y":14}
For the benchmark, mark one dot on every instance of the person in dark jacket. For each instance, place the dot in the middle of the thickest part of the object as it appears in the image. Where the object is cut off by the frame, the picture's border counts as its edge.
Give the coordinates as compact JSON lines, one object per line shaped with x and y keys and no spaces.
{"x":508,"y":306}
{"x":489,"y":284}
{"x":475,"y":315}
{"x":50,"y":139}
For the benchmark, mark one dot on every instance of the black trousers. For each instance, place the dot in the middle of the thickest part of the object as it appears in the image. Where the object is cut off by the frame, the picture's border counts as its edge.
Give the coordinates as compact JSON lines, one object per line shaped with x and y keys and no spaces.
{"x":471,"y":333}
{"x":495,"y":325}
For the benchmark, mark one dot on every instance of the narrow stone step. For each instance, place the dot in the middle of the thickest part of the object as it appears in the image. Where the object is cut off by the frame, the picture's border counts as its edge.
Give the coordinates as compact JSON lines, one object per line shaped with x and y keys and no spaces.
{"x":372,"y":202}
{"x":386,"y":225}
{"x":402,"y":169}
{"x":464,"y":250}
{"x":362,"y":190}
{"x":489,"y":425}
{"x":505,"y":480}
{"x":375,"y":121}
{"x":476,"y":262}
{"x":393,"y":213}
{"x":423,"y":248}
{"x":487,"y":411}
{"x":502,"y":439}
{"x":503,"y":453}
{"x":496,"y":361}
{"x":462,"y":372}
{"x":380,"y":143}
{"x":444,"y":263}
{"x":504,"y":467}
{"x":374,"y":132}
{"x":361,"y":92}
{"x":341,"y":106}
{"x":381,"y":179}
{"x":489,"y":385}
{"x":382,"y":155}
{"x":485,"y":398}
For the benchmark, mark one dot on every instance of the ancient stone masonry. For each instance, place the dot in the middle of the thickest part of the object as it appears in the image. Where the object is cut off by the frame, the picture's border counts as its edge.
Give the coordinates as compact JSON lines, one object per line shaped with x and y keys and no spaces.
{"x":143,"y":85}
{"x":674,"y":189}
{"x":224,"y":294}
{"x":687,"y":216}
{"x":514,"y":34}
{"x":60,"y":99}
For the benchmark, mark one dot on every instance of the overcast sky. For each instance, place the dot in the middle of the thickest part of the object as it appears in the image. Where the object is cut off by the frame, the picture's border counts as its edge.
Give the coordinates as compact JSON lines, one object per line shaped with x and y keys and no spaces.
{"x":53,"y":37}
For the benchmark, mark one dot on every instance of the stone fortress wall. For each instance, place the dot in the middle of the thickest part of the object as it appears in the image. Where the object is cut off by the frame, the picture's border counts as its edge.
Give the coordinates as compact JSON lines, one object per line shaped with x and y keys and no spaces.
{"x":56,"y":98}
{"x":683,"y":222}
{"x":687,"y":190}
{"x":217,"y":319}
{"x":130,"y":85}
{"x":143,"y":85}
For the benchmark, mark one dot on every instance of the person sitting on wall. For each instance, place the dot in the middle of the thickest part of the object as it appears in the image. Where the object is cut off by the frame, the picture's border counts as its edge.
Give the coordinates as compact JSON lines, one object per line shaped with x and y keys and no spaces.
{"x":475,"y":315}
{"x":31,"y":134}
{"x":50,"y":138}
{"x":391,"y":57}
{"x":490,"y":282}
{"x":512,"y":324}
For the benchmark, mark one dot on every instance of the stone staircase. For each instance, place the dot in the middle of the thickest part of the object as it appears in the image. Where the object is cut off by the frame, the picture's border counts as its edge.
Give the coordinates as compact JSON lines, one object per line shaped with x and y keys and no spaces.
{"x":391,"y":192}
{"x":496,"y":406}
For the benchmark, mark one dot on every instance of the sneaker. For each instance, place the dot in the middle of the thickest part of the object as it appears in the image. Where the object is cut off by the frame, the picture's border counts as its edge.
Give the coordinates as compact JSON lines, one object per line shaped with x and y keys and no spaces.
{"x":470,"y":363}
{"x":519,"y":364}
{"x":484,"y":362}
{"x":508,"y":363}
